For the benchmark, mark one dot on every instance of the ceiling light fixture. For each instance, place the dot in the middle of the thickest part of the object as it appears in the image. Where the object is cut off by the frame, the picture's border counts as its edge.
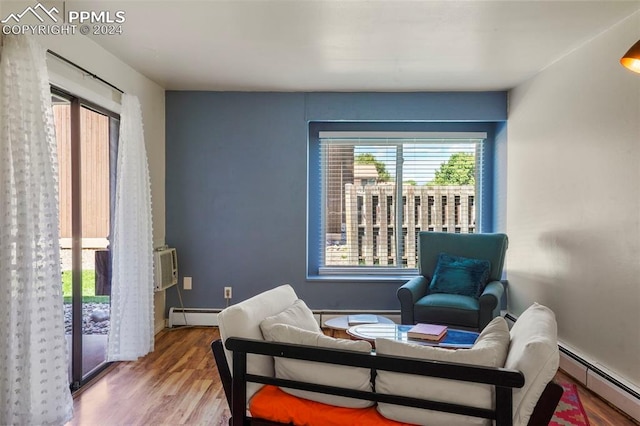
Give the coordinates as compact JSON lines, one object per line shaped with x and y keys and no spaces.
{"x":631,"y":59}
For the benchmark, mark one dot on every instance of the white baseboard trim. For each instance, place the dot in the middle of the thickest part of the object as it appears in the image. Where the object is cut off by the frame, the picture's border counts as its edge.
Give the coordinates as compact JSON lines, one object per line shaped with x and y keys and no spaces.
{"x":574,"y":369}
{"x":616,"y":396}
{"x":209,"y":317}
{"x":603,"y":383}
{"x":159,"y":326}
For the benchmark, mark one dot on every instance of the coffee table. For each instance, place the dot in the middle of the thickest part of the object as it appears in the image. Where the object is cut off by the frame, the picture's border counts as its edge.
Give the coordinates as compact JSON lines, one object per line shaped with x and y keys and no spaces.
{"x":342,"y":323}
{"x":370,"y":332}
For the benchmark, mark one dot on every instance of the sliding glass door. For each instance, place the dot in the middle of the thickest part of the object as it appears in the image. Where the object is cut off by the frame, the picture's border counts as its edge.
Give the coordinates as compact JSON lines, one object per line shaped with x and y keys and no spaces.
{"x":86,"y":138}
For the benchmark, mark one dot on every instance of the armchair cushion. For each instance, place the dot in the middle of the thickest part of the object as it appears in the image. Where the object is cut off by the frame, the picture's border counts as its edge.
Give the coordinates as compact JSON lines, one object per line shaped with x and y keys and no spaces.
{"x":450,"y":309}
{"x":319,"y":373}
{"x":460,"y":275}
{"x":490,"y":350}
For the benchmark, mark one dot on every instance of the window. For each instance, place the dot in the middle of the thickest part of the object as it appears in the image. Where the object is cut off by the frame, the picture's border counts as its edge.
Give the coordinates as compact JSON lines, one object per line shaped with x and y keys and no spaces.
{"x":379,"y":189}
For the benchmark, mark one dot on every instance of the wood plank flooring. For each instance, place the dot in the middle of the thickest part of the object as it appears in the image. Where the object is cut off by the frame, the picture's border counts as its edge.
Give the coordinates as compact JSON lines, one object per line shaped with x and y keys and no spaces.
{"x":598,"y":410}
{"x":178,"y":384}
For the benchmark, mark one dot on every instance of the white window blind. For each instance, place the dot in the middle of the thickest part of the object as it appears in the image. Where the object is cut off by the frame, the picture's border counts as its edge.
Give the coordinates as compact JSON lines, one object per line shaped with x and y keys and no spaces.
{"x":379,"y":189}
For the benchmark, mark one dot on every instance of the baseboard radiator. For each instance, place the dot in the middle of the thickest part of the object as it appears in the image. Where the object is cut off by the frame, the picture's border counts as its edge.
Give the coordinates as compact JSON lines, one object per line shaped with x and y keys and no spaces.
{"x":597,"y":379}
{"x":192,"y":316}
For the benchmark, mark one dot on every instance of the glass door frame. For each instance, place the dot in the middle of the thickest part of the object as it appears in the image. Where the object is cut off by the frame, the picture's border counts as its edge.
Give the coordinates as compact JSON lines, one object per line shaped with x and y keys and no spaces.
{"x":76,"y":104}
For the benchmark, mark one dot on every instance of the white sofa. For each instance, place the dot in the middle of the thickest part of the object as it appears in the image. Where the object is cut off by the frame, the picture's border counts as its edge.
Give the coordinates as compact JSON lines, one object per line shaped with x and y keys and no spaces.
{"x":506,"y":377}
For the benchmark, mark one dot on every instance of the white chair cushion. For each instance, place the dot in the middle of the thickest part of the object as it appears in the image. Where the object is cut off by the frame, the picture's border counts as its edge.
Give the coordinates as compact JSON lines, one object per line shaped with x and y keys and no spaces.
{"x":490,"y":350}
{"x":534,"y":352}
{"x":243,"y":320}
{"x":319,"y":373}
{"x":298,"y":314}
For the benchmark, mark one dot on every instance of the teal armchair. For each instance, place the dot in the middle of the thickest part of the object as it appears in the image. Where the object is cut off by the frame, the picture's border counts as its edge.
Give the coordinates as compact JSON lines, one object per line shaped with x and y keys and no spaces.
{"x":418,"y":304}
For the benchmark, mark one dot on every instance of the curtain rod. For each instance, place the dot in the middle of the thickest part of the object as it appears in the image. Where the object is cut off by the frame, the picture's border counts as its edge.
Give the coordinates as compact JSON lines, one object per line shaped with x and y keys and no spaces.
{"x":62,"y":58}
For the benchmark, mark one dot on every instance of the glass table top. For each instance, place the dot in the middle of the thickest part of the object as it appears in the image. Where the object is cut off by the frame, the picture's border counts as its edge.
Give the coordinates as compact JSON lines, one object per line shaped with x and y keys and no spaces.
{"x":453,"y":338}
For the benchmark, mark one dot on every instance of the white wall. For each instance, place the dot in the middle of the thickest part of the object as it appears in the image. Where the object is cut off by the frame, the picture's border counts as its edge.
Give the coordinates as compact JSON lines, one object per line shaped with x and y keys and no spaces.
{"x":573,"y":209}
{"x":86,"y":53}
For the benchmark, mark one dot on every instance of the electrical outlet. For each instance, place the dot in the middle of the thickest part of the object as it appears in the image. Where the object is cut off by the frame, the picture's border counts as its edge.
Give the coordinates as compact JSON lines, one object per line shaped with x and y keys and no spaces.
{"x":227,"y":292}
{"x":187,"y":283}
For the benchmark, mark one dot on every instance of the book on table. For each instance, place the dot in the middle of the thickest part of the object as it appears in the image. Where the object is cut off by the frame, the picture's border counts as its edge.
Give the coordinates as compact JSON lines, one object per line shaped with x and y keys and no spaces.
{"x":427,"y":331}
{"x":362,"y":319}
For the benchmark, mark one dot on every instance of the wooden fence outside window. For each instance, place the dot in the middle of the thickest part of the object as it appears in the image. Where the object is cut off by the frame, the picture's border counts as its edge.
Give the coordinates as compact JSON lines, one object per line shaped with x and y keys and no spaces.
{"x":370,"y":213}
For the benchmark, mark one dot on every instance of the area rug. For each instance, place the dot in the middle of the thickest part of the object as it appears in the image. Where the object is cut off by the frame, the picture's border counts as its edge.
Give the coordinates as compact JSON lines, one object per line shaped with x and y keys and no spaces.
{"x":570,"y":411}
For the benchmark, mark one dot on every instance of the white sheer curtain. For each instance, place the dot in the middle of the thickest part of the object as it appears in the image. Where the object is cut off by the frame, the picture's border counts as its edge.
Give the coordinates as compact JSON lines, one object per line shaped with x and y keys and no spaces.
{"x":34,"y":380}
{"x":131,"y":332}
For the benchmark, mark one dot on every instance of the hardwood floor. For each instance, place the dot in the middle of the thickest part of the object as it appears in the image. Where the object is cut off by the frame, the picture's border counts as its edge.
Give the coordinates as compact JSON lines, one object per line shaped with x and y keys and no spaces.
{"x":598,"y":410}
{"x":178,"y":384}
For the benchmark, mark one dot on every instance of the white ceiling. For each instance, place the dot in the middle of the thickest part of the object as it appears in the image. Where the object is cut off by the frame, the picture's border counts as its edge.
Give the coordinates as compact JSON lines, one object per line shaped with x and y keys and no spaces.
{"x":353,"y":45}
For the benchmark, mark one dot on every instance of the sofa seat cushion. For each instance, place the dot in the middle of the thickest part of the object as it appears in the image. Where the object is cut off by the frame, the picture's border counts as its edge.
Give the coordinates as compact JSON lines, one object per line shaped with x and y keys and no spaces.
{"x":243,"y":320}
{"x":320,"y":373}
{"x":533,"y":351}
{"x":490,"y":350}
{"x":451,"y":309}
{"x":271,"y":403}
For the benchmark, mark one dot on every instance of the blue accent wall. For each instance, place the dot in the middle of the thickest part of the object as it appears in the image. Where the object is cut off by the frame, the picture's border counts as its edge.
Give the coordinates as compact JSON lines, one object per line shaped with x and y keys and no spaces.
{"x":236,"y":186}
{"x":500,"y":178}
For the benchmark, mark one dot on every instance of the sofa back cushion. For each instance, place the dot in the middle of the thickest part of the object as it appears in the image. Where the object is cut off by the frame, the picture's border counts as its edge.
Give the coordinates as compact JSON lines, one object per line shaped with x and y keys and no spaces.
{"x":243,"y":320}
{"x":298,"y":314}
{"x":490,"y":350}
{"x":320,"y":373}
{"x":534,"y":352}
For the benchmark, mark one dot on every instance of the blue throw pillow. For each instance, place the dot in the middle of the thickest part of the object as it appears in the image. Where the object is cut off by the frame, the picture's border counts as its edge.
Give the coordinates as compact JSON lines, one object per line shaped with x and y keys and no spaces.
{"x":460,"y":275}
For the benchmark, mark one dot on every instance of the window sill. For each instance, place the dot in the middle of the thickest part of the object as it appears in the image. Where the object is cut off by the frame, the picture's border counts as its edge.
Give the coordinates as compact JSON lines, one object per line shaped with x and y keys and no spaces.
{"x":360,"y":278}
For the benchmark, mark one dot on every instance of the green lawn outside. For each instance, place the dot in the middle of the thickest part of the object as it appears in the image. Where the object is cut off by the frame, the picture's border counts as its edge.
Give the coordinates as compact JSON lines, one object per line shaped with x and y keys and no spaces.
{"x":88,"y":287}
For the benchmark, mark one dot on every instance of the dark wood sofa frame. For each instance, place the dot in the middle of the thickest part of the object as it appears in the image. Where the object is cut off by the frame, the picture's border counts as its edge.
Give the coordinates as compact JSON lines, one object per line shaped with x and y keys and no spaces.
{"x":504,"y":380}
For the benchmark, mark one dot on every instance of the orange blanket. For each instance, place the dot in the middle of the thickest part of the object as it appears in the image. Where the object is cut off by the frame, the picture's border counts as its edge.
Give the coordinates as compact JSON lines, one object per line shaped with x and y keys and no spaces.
{"x":271,"y":403}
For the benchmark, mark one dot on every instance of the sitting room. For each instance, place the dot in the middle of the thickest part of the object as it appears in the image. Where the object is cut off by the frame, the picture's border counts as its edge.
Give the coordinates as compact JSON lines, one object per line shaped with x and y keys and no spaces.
{"x":325,"y":145}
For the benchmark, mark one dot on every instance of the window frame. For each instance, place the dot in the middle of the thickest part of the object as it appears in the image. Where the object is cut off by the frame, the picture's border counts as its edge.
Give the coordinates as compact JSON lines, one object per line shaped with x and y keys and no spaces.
{"x":316,"y":270}
{"x":78,"y":377}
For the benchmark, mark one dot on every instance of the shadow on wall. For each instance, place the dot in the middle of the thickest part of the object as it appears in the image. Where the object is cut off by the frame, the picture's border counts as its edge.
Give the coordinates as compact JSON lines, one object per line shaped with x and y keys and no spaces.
{"x":590,"y":263}
{"x":595,"y":295}
{"x":524,"y":288}
{"x":554,"y":270}
{"x":579,"y":274}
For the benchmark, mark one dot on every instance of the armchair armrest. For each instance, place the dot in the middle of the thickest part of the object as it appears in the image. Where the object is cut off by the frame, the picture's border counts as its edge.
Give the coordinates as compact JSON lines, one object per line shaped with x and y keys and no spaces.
{"x":409,"y":294}
{"x":490,"y":303}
